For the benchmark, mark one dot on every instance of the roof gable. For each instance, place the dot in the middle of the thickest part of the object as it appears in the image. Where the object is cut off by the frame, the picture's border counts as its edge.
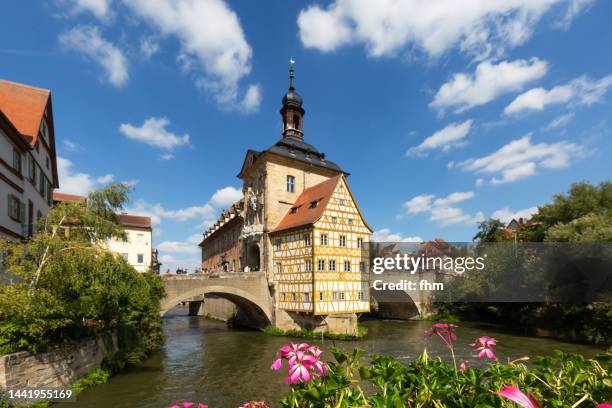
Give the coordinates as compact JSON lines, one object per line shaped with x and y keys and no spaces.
{"x":25,"y":106}
{"x":303,"y":211}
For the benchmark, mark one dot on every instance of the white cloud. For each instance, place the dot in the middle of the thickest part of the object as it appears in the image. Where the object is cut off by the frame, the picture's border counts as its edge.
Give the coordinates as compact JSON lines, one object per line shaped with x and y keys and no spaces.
{"x":447,"y":138}
{"x":166,"y":156}
{"x":153,"y":132}
{"x":101,"y":9}
{"x":252,"y":99}
{"x":480,"y":28}
{"x":189,"y":246}
{"x":171,"y":263}
{"x":148,"y":47}
{"x":107,"y":178}
{"x":559,"y":121}
{"x":418,"y":204}
{"x":206,"y":212}
{"x":211,"y":39}
{"x":385,"y":235}
{"x":574,"y":9}
{"x":490,"y":80}
{"x":520,"y":159}
{"x":441,"y":209}
{"x":74,"y":182}
{"x":225,"y":197}
{"x":70,"y":146}
{"x":87,"y":41}
{"x":506,"y":215}
{"x":580,"y":91}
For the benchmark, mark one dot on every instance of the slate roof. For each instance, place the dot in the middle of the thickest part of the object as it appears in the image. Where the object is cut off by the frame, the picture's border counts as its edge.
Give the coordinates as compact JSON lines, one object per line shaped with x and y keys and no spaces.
{"x":295,"y":148}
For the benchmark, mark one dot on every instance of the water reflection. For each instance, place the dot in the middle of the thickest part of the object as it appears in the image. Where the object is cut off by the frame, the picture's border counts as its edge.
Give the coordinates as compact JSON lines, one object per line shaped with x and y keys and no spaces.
{"x":205,"y":361}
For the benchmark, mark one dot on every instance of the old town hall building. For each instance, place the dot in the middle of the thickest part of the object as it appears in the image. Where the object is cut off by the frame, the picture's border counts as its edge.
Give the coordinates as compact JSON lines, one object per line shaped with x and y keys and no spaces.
{"x":299,"y":222}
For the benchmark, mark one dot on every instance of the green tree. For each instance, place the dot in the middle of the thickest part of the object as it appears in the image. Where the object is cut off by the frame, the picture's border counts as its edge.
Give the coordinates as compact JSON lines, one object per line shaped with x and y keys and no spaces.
{"x":64,"y":277}
{"x":492,"y":230}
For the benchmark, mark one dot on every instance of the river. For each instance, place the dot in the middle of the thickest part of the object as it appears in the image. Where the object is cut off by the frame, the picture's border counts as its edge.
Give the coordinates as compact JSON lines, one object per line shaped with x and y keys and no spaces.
{"x":205,"y":361}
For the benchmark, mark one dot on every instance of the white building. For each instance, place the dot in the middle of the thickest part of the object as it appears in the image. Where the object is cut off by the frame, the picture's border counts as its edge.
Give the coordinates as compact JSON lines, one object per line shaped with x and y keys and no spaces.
{"x":28,"y":166}
{"x":138,"y":248}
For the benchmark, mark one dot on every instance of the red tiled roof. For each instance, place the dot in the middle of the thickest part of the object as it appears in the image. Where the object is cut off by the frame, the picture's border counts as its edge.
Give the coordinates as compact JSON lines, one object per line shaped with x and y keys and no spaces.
{"x":71,"y":198}
{"x":135,"y":221}
{"x":304,"y":213}
{"x":24,"y":105}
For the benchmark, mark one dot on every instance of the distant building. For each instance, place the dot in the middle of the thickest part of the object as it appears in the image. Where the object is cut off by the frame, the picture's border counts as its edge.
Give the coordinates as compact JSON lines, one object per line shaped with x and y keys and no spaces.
{"x":222,"y":246}
{"x":138,"y":250}
{"x":299,"y":222}
{"x":28,"y":164}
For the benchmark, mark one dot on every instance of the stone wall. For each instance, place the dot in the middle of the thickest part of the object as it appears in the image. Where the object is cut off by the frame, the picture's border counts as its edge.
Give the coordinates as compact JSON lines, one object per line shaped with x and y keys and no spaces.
{"x":57,"y":367}
{"x":338,"y":324}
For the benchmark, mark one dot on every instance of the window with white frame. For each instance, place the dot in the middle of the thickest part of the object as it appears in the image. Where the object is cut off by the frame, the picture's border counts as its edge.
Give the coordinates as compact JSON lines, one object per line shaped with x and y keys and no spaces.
{"x":277,"y":267}
{"x":140,"y":258}
{"x":341,"y":295}
{"x":321,"y":265}
{"x":360,"y":242}
{"x":342,"y":240}
{"x":290,"y":184}
{"x":323,"y":239}
{"x":306,"y":297}
{"x":14,"y":208}
{"x":334,"y":295}
{"x":362,"y":266}
{"x":332,"y":265}
{"x":361,"y":295}
{"x":321,"y":296}
{"x":308,"y":265}
{"x":347,"y":266}
{"x":306,"y":239}
{"x":140,"y":239}
{"x":277,"y":244}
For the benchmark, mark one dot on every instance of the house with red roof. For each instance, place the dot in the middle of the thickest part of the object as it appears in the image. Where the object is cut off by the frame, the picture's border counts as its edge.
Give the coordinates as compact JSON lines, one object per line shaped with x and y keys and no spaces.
{"x":28,"y":164}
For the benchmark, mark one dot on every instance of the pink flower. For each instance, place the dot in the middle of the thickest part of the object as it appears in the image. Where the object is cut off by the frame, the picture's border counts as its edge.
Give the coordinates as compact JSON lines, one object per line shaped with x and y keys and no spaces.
{"x":464,"y":366}
{"x":304,"y":362}
{"x":445,"y":331}
{"x":186,"y":404}
{"x":606,"y":405}
{"x":514,"y":394}
{"x":484,"y":346}
{"x":300,"y":370}
{"x":276,"y":365}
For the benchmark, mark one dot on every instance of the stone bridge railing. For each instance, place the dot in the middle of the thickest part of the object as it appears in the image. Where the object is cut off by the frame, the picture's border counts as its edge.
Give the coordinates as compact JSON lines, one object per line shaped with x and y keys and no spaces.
{"x":248,"y":290}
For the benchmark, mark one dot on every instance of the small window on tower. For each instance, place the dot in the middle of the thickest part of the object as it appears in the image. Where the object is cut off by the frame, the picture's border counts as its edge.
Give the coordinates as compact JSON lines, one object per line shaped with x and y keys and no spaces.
{"x":296,"y":122}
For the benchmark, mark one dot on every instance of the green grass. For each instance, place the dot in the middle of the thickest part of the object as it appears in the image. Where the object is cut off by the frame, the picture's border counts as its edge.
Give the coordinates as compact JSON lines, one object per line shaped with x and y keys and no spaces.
{"x":362,"y":331}
{"x":91,"y":379}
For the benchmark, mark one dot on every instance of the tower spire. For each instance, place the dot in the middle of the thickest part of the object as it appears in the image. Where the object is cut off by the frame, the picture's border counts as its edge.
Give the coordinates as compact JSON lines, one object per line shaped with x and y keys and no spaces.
{"x":291,"y":74}
{"x":292,"y":111}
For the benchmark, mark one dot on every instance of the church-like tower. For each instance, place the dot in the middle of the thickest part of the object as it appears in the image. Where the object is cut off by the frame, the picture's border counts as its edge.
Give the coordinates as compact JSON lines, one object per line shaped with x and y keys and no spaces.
{"x":301,"y":224}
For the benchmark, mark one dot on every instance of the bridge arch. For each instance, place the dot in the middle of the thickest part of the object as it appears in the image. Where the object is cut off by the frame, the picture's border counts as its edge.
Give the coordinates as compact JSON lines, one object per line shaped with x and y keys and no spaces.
{"x":249,"y":294}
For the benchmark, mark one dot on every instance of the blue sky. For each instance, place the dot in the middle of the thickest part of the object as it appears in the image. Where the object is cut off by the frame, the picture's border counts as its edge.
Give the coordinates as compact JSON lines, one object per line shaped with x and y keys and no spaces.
{"x":444,"y":114}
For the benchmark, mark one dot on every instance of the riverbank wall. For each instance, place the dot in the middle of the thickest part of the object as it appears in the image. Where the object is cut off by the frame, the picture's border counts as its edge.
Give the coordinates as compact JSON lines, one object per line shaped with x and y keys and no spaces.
{"x":58,"y":367}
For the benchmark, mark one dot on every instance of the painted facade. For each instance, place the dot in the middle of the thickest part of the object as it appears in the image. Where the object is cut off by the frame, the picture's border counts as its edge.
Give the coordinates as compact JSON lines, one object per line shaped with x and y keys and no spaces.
{"x":28,"y":166}
{"x":315,"y":256}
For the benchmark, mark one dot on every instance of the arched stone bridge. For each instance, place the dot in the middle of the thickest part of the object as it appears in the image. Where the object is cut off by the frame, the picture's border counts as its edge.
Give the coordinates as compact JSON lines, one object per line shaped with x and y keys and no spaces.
{"x":247,"y":290}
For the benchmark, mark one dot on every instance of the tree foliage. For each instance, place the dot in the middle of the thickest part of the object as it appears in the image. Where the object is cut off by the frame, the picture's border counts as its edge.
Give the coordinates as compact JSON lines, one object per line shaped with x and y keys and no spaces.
{"x":583,"y":215}
{"x":64,"y":283}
